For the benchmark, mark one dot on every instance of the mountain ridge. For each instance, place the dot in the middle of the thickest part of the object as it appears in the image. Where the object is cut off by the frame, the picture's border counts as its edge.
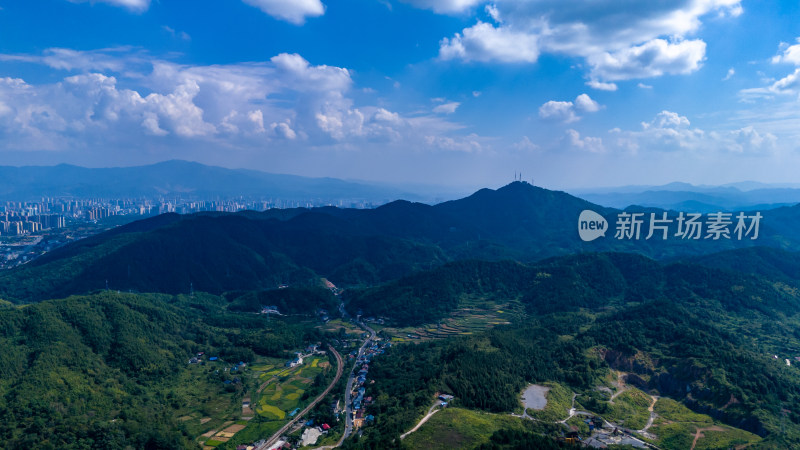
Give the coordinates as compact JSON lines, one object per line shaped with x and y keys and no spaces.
{"x":256,"y":250}
{"x":30,"y":183}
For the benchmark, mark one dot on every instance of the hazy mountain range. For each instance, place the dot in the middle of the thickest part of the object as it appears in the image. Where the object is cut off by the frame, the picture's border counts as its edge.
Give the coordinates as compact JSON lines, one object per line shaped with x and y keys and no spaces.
{"x":743,"y":196}
{"x":191,"y":179}
{"x":195,"y":180}
{"x":216,"y":252}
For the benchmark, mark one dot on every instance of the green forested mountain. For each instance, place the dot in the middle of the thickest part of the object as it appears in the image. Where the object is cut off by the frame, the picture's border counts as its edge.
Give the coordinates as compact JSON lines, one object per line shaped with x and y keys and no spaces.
{"x":771,"y":262}
{"x":588,"y":281}
{"x":220,"y":252}
{"x":109,"y":371}
{"x":703,"y":336}
{"x":702,"y":323}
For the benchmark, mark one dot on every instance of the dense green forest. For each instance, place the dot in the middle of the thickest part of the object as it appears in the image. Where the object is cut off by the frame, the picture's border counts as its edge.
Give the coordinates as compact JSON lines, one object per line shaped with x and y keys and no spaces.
{"x":107,"y":371}
{"x":109,"y":368}
{"x":290,"y":300}
{"x":591,"y":281}
{"x":217,"y":252}
{"x":703,"y":336}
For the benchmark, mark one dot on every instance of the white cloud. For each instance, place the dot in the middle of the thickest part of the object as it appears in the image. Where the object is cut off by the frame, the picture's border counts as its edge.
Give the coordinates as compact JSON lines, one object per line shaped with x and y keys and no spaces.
{"x":133,"y":5}
{"x":484,"y":42}
{"x":589,"y":144}
{"x":584,"y":103}
{"x":292,"y":11}
{"x":667,"y":119}
{"x":467,"y":144}
{"x":671,"y":132}
{"x":644,"y":86}
{"x":257,"y":117}
{"x":790,"y":54}
{"x":525,"y":145}
{"x":561,"y":111}
{"x":284,"y":130}
{"x":788,"y":85}
{"x":68,"y":59}
{"x":446,"y":108}
{"x":730,"y":74}
{"x":177,"y":34}
{"x":445,"y":6}
{"x":317,"y":78}
{"x":749,"y":140}
{"x":156,"y":103}
{"x":651,"y":59}
{"x":601,"y":86}
{"x":620,"y":40}
{"x":494,"y":13}
{"x":567,"y":112}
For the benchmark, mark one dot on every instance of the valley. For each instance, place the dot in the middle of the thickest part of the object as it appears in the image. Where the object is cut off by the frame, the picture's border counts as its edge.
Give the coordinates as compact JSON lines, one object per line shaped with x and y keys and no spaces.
{"x":326,"y":329}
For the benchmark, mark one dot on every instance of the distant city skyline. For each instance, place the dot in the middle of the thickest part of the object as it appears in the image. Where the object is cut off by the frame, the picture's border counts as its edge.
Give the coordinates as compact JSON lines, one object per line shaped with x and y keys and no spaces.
{"x":465,"y":93}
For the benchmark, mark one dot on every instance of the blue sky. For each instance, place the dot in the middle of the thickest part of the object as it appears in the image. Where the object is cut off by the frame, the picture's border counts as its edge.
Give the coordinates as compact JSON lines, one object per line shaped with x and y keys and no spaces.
{"x":458,"y":92}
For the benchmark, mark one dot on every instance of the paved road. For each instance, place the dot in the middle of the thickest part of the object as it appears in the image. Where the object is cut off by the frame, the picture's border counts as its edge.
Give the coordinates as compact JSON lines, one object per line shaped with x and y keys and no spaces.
{"x":339,"y":369}
{"x":348,"y":429}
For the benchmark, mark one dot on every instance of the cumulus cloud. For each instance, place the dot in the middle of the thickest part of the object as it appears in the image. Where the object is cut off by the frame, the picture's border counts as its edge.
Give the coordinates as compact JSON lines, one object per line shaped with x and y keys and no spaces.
{"x":484,"y":42}
{"x":667,"y":119}
{"x":555,"y":110}
{"x":620,"y":40}
{"x":283,"y":130}
{"x":117,"y":98}
{"x":748,"y":139}
{"x":651,"y":59}
{"x":789,"y":54}
{"x":567,"y":112}
{"x":292,"y":11}
{"x":601,"y":86}
{"x":584,"y":103}
{"x":589,"y":144}
{"x":671,"y":132}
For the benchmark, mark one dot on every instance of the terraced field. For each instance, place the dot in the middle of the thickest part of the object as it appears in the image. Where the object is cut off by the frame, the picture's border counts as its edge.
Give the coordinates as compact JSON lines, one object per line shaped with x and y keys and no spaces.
{"x":283,"y":388}
{"x":464,"y":321}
